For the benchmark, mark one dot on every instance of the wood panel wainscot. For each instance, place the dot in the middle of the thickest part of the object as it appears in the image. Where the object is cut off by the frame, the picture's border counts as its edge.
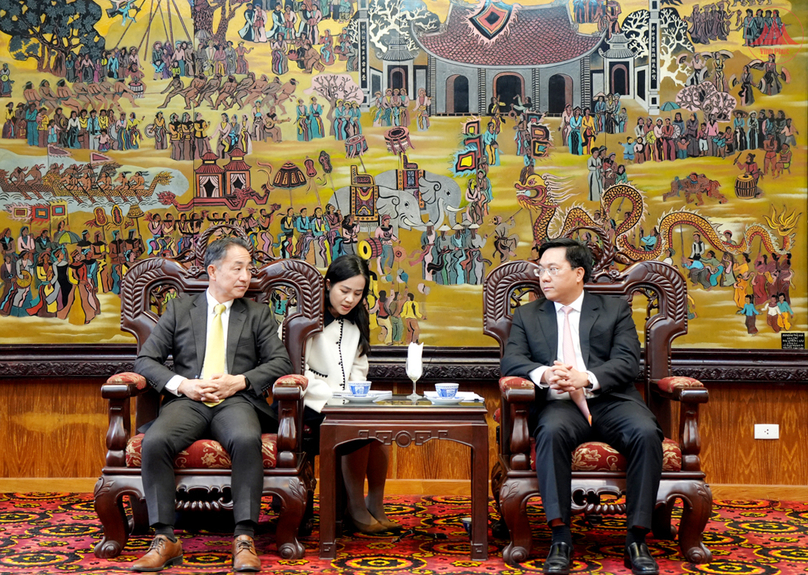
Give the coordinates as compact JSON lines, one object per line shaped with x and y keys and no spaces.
{"x":53,"y":421}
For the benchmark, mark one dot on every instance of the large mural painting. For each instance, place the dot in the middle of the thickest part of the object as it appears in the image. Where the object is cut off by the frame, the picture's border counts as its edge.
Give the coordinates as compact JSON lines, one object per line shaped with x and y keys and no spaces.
{"x":436,"y":139}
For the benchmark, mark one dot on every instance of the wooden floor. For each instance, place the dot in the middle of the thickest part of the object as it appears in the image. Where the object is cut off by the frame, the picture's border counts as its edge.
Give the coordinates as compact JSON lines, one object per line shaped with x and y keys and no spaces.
{"x":416,"y":487}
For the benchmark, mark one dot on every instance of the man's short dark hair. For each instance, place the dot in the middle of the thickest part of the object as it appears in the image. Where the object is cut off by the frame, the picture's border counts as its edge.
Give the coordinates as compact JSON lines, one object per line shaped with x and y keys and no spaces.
{"x":217,"y":250}
{"x":578,"y":255}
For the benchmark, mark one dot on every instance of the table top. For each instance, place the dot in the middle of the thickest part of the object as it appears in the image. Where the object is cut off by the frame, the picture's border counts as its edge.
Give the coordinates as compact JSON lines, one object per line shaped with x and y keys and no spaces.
{"x":398,"y":404}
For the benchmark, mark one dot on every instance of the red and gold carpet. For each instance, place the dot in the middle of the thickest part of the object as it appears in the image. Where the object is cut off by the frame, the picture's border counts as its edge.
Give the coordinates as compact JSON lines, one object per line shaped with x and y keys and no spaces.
{"x":54,"y":533}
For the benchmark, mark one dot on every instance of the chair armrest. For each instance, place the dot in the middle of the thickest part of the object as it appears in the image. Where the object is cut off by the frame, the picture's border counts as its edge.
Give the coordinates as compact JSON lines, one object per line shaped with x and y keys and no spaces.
{"x":119,"y":389}
{"x":690,"y":393}
{"x":288,"y":391}
{"x":517,"y":395}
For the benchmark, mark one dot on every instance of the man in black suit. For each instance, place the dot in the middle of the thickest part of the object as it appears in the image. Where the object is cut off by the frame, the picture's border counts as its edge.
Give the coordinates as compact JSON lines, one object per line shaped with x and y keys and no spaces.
{"x":582,"y":352}
{"x":209,"y":394}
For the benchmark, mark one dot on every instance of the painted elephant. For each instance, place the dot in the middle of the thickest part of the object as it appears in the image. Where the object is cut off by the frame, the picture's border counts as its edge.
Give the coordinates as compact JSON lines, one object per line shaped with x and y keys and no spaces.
{"x":441,"y":196}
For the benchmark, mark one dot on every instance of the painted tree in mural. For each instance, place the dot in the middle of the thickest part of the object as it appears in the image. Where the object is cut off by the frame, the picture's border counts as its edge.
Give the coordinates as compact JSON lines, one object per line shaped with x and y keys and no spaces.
{"x":673,"y":38}
{"x":390,"y":23}
{"x":335,"y":87}
{"x":704,"y":97}
{"x":48,"y":30}
{"x":206,"y":12}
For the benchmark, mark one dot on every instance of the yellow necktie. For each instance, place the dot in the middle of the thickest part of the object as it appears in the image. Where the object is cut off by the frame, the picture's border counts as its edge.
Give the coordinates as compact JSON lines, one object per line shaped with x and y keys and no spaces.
{"x":214,"y":352}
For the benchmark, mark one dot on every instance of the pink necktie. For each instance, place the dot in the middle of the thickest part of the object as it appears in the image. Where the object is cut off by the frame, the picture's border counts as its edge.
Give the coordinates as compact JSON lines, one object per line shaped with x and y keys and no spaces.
{"x":568,"y":352}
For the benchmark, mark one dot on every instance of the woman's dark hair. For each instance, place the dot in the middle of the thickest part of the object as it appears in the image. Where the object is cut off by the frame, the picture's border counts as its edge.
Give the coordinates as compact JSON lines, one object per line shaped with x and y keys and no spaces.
{"x":343,"y":268}
{"x":578,"y":255}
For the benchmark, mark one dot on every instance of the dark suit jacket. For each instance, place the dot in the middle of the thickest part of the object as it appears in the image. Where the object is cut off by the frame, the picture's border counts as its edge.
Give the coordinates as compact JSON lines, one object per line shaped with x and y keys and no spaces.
{"x":609,"y":343}
{"x":253,"y":347}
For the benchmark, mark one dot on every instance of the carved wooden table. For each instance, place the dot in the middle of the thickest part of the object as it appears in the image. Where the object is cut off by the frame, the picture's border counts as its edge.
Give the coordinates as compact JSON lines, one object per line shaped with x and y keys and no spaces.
{"x":401,"y":421}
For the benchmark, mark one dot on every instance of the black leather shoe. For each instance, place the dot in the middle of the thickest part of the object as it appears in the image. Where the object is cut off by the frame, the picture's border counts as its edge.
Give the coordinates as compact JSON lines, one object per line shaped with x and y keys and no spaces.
{"x":639,"y":560}
{"x":558,"y":559}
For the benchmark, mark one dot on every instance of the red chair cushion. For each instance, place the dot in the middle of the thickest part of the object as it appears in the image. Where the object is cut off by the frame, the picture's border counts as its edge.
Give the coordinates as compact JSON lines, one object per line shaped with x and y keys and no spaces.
{"x":599,"y":456}
{"x":675,"y":381}
{"x":205,"y":453}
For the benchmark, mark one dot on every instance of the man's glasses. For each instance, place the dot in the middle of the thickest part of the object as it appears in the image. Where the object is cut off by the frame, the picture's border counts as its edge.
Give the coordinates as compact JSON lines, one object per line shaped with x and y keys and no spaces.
{"x":552,"y":270}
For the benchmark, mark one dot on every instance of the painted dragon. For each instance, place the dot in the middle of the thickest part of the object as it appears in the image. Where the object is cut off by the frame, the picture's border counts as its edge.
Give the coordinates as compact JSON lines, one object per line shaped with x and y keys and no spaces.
{"x":543,"y":195}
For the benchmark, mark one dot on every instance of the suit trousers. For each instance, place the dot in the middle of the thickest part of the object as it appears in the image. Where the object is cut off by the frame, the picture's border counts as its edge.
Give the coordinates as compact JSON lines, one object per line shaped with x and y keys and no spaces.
{"x":234,"y":423}
{"x":625,"y":424}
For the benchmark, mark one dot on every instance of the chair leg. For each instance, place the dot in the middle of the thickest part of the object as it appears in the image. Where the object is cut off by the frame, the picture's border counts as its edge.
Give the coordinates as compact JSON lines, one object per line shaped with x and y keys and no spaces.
{"x":661,"y":521}
{"x":698,"y":505}
{"x":307,"y":523}
{"x":139,"y":524}
{"x":293,"y":507}
{"x":497,"y":477}
{"x":513,"y":502}
{"x":499,"y":528}
{"x":109,"y":508}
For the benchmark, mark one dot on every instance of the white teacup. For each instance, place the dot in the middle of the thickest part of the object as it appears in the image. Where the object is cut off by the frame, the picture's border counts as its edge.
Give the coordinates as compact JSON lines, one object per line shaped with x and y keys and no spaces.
{"x":359,"y":388}
{"x":446,"y":390}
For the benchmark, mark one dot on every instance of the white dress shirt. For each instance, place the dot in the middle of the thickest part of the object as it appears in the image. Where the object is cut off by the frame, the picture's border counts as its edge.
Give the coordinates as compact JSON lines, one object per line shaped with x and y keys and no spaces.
{"x":174,"y":383}
{"x":575,"y":320}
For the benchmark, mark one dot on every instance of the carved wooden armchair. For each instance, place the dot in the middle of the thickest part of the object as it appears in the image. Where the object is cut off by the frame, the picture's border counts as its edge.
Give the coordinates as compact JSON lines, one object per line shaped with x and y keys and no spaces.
{"x":598,"y":469}
{"x":295,"y":291}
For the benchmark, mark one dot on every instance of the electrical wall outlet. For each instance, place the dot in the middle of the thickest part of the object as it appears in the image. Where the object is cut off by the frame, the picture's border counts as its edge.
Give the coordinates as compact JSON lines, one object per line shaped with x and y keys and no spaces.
{"x":767,"y":431}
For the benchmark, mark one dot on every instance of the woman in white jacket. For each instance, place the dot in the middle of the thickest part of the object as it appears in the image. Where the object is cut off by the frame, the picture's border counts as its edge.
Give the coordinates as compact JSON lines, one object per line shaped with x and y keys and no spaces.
{"x":334,"y":357}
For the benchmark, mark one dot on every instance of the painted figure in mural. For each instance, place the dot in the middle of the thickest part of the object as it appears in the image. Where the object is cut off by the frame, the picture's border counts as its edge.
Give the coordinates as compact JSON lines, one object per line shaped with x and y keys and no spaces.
{"x":427,"y":251}
{"x":383,"y":317}
{"x":575,"y":142}
{"x":319,"y":230}
{"x":504,"y":242}
{"x":476,"y":203}
{"x":770,"y":84}
{"x":422,"y":109}
{"x":349,"y":234}
{"x":316,"y":128}
{"x":385,"y":234}
{"x":411,"y":314}
{"x":303,"y":122}
{"x":5,"y":81}
{"x":286,"y":239}
{"x":594,"y":165}
{"x":490,"y":145}
{"x":280,"y":61}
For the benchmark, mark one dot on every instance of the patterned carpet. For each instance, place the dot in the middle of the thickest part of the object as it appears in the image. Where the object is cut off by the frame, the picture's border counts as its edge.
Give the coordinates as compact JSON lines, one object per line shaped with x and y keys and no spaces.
{"x":54,"y":533}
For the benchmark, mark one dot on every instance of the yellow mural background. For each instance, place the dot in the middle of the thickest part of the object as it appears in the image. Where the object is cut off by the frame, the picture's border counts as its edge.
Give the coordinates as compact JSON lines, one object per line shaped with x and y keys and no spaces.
{"x":453,"y":313}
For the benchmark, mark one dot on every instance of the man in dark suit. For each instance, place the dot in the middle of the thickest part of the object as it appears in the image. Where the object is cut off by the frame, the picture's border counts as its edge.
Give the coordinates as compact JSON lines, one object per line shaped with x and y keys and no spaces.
{"x":227,"y":355}
{"x":582,"y":352}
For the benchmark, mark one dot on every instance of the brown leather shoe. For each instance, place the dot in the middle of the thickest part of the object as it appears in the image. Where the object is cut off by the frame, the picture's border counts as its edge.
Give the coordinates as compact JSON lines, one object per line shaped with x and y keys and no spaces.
{"x":244,"y":556}
{"x":162,"y":553}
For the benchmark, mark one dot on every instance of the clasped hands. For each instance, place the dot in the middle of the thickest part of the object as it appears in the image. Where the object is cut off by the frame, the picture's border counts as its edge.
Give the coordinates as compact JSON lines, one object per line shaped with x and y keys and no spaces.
{"x":564,"y":378}
{"x":215,"y":389}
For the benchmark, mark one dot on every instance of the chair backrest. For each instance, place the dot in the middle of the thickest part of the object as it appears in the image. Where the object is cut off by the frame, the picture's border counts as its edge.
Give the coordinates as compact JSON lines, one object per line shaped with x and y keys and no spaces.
{"x":293,"y":288}
{"x":664,"y":287}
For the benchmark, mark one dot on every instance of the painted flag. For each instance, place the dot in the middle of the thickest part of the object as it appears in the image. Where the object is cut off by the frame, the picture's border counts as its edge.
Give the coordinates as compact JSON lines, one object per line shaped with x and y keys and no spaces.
{"x":41,"y":213}
{"x":96,"y":158}
{"x":57,"y":151}
{"x":58,"y":209}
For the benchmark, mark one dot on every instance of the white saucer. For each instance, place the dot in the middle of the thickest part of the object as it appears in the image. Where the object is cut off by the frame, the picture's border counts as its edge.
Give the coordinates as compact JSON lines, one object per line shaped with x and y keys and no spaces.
{"x":445,"y":400}
{"x":360,"y":398}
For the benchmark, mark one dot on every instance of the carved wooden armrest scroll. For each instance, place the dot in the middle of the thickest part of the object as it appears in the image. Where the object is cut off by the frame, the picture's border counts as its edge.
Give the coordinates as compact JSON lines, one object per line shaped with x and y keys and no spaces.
{"x":119,"y":390}
{"x":288,"y":391}
{"x":518,"y":395}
